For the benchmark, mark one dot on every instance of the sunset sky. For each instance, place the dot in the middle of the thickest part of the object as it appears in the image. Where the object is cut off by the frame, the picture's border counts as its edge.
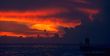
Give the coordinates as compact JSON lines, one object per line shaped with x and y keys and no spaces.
{"x":32,"y":17}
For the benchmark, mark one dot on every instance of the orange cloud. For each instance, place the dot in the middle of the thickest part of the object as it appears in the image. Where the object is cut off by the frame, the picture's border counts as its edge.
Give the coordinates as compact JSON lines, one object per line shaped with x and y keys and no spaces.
{"x":11,"y":34}
{"x":32,"y":13}
{"x":31,"y":19}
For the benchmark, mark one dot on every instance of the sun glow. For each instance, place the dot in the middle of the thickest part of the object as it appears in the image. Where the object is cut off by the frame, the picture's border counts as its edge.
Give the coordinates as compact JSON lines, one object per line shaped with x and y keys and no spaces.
{"x":47,"y":27}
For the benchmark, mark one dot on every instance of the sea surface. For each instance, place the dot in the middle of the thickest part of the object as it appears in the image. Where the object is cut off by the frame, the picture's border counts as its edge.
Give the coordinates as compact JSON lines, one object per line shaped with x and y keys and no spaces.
{"x":40,"y":50}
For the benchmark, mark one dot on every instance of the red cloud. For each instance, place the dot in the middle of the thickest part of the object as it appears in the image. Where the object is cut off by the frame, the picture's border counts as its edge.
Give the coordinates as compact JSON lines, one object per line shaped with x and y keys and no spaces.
{"x":36,"y":23}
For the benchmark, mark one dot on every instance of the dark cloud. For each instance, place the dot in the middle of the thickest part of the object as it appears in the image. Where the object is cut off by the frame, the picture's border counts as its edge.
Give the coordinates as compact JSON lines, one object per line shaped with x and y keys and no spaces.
{"x":37,"y":4}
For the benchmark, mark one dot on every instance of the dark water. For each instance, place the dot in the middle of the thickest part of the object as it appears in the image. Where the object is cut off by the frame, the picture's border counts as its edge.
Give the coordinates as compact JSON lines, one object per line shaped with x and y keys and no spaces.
{"x":52,"y":50}
{"x":40,"y":50}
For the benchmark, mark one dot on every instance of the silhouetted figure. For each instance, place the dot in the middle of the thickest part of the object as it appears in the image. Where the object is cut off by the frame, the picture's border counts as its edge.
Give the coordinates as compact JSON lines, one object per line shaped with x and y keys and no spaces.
{"x":87,"y":42}
{"x":86,"y":48}
{"x":47,"y":35}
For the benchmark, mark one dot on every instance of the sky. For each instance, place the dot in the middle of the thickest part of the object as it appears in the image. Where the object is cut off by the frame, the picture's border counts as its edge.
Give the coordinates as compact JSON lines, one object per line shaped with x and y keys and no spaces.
{"x":32,"y":17}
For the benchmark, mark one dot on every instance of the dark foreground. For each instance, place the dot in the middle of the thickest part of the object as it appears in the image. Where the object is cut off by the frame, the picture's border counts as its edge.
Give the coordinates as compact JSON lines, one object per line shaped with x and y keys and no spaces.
{"x":38,"y":50}
{"x":51,"y":50}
